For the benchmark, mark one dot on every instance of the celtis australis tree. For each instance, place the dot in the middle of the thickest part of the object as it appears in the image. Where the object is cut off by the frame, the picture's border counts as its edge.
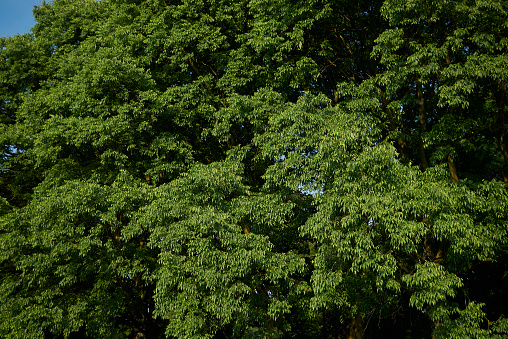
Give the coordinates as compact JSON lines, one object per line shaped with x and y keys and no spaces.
{"x":255,"y":169}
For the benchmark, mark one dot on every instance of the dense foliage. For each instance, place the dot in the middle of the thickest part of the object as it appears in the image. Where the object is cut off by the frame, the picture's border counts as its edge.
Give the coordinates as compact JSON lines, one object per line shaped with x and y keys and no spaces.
{"x":262,"y":168}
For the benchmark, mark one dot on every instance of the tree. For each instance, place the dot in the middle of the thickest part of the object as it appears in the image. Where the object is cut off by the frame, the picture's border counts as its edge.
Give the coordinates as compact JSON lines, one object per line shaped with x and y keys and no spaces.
{"x":255,"y":169}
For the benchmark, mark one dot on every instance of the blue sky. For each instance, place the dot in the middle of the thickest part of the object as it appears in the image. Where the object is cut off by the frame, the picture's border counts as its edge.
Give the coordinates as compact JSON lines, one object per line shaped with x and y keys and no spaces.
{"x":16,"y":16}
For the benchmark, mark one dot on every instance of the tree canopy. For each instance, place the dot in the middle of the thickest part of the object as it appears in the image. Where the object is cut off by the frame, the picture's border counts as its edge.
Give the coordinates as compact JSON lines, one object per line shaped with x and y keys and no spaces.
{"x":255,"y":169}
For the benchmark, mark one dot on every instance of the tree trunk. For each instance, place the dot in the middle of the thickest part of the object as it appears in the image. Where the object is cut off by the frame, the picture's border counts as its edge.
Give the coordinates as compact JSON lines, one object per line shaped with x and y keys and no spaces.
{"x":400,"y":144}
{"x":503,"y":136}
{"x":453,"y":169}
{"x":356,"y":328}
{"x":423,"y":126}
